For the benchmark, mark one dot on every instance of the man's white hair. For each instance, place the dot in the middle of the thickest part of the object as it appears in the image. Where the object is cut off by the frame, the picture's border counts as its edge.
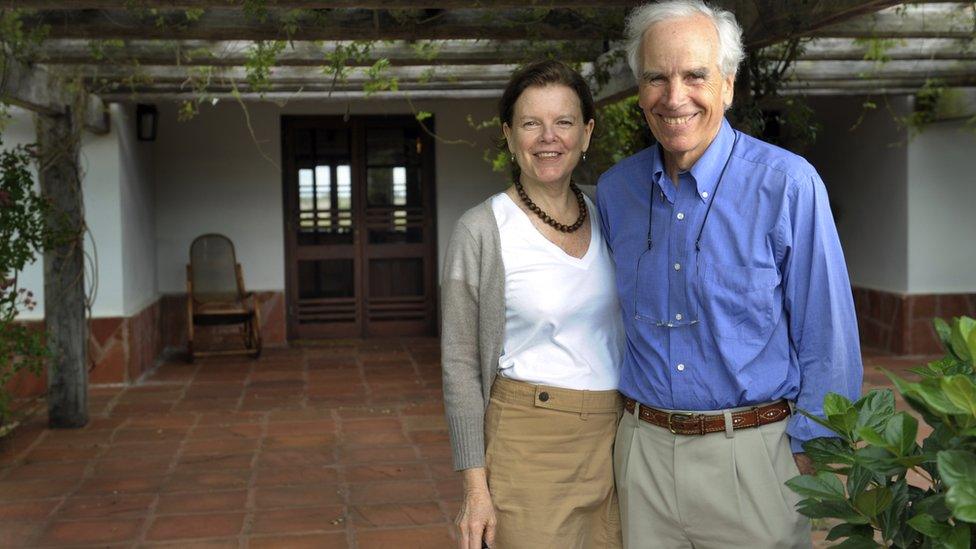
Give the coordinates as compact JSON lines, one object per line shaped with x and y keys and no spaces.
{"x":730,"y":49}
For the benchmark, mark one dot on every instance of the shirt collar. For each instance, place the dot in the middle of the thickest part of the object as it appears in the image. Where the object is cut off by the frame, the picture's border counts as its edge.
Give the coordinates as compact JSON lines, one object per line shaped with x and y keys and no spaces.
{"x":706,"y":171}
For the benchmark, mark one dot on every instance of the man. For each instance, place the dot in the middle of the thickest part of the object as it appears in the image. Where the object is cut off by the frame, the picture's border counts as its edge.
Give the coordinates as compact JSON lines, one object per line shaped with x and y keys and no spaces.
{"x":735,"y":296}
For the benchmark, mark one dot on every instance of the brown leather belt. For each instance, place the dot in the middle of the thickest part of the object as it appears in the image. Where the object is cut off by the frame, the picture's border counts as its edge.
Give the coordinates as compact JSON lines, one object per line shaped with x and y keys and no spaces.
{"x":700,"y":424}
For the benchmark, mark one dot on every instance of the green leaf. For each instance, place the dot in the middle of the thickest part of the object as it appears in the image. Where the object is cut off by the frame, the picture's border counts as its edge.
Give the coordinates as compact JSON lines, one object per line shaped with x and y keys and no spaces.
{"x":933,"y":505}
{"x":874,"y":408}
{"x":869,"y":435}
{"x":873,"y":502}
{"x":423,"y":115}
{"x":824,"y":485}
{"x":956,"y":466}
{"x":971,"y":343}
{"x":836,"y":405}
{"x":961,"y":392}
{"x":927,"y":525}
{"x":844,"y":530}
{"x":858,"y":479}
{"x":823,"y":422}
{"x":900,"y":433}
{"x":934,"y":396}
{"x":844,"y":424}
{"x":829,"y":451}
{"x":878,"y":461}
{"x":958,"y":538}
{"x":830,"y":509}
{"x":903,"y":386}
{"x":857,"y":542}
{"x":958,"y":339}
{"x":891,"y":522}
{"x":927,"y":371}
{"x":943,"y":330}
{"x":908,"y":462}
{"x":961,"y":500}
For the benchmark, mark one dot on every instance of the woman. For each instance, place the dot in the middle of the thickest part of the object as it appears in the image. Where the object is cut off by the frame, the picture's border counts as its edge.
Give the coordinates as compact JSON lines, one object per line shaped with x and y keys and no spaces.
{"x":532,"y":336}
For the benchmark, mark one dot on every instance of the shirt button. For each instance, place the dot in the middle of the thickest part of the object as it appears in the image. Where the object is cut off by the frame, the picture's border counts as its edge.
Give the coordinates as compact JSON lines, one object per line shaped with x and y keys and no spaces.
{"x":680,"y":216}
{"x":543,"y":396}
{"x":677,"y":266}
{"x":681,"y":367}
{"x":678,"y":316}
{"x":704,"y":194}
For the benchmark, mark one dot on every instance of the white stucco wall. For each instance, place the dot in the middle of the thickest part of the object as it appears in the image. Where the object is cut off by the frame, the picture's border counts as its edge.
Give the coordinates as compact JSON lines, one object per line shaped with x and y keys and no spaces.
{"x":138,"y":209}
{"x":113,"y":178}
{"x":865,"y":171}
{"x":942,"y":209}
{"x":212,"y":176}
{"x":100,"y":164}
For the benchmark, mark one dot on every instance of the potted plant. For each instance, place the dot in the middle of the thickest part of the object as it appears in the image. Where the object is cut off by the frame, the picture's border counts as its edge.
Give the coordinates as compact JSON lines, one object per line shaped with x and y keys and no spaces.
{"x":863,"y":476}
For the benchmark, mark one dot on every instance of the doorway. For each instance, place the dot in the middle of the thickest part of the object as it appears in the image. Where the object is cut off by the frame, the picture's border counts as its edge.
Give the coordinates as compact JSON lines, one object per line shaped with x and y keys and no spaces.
{"x":360,"y":234}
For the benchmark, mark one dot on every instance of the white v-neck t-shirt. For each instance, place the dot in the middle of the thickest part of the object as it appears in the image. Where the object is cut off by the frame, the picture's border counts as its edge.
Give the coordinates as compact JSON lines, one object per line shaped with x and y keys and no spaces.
{"x":562,"y":319}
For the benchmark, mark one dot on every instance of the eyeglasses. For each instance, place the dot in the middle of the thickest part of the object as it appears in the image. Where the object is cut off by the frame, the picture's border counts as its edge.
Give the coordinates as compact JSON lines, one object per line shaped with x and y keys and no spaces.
{"x":708,"y":210}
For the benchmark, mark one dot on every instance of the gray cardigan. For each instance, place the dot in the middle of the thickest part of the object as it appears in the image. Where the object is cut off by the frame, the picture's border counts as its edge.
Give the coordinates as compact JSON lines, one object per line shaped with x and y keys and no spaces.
{"x":472,"y":329}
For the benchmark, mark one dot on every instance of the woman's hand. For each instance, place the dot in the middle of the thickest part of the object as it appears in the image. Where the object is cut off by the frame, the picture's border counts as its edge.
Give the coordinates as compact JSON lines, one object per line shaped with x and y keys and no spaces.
{"x":476,"y":519}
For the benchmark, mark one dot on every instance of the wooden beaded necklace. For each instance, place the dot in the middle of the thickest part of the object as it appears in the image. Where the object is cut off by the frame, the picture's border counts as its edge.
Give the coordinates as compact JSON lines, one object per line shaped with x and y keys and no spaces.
{"x":549,"y":220}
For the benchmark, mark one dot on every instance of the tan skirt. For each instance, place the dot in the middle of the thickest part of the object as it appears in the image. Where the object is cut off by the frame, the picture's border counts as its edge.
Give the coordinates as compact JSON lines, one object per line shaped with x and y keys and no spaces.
{"x":549,"y":457}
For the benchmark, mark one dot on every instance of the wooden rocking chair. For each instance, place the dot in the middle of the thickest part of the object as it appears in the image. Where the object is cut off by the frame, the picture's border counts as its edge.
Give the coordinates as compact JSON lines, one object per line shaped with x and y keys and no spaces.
{"x":216,"y":295}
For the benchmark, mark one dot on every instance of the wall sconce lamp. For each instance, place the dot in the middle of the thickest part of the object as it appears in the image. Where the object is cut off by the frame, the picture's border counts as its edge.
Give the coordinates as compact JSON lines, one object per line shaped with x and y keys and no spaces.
{"x":147,"y":118}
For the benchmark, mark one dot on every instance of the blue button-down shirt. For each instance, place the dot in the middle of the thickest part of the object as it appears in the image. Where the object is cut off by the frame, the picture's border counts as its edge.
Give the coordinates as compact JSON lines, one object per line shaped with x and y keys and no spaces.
{"x":763,"y":311}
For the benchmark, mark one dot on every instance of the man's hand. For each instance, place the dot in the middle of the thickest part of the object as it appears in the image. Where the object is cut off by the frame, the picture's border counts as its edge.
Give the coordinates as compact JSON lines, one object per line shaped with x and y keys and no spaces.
{"x":804,"y":463}
{"x":476,"y":519}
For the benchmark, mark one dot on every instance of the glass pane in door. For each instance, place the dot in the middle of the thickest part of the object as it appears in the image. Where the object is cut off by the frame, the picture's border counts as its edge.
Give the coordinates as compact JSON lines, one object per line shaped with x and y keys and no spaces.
{"x":325,"y":188}
{"x":394,"y":191}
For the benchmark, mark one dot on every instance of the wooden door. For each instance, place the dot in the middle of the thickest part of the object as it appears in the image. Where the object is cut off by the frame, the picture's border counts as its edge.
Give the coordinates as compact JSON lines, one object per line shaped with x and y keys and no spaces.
{"x":359,"y":227}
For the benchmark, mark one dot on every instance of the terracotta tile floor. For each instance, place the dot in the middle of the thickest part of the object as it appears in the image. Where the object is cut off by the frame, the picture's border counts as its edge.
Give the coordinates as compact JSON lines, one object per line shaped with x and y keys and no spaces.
{"x":339,"y":445}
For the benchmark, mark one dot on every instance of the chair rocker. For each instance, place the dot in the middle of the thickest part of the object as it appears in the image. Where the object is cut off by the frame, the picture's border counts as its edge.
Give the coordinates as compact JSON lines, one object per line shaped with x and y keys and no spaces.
{"x":216,"y":296}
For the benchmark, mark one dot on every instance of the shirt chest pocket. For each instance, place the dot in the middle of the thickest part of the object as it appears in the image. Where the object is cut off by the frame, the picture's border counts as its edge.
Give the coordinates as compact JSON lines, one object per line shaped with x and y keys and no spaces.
{"x":737,"y":302}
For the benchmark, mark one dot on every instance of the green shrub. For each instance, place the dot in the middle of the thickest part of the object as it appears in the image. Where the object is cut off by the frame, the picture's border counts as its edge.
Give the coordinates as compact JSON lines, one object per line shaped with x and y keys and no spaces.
{"x":861,"y":476}
{"x":24,"y":235}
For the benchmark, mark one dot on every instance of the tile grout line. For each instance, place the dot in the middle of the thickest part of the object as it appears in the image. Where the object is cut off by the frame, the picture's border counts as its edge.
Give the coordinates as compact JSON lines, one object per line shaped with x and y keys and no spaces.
{"x":250,"y":503}
{"x":154,"y":504}
{"x":351,"y":538}
{"x":89,"y":471}
{"x":430,"y":473}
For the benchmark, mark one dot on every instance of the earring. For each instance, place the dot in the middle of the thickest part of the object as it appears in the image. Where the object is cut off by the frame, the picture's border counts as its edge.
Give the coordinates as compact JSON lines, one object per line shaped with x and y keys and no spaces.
{"x":584,"y":156}
{"x":511,"y":158}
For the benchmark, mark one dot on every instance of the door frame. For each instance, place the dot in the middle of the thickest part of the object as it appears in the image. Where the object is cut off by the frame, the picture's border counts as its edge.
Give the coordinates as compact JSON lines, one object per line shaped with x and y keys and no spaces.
{"x":358,"y":124}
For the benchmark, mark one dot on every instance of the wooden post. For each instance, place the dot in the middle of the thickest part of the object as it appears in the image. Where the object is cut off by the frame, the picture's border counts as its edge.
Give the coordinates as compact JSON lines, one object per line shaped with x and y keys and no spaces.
{"x":64,"y":277}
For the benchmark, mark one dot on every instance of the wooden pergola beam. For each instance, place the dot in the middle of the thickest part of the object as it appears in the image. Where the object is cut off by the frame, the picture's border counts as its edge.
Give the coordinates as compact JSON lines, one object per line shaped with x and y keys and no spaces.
{"x":324,"y":96}
{"x":306,"y":79}
{"x":36,"y":89}
{"x":811,"y":71}
{"x":766,"y":22}
{"x":454,"y":74}
{"x":933,"y":20}
{"x":871,"y":85}
{"x":339,"y":24}
{"x":852,"y":49}
{"x":303,"y":53}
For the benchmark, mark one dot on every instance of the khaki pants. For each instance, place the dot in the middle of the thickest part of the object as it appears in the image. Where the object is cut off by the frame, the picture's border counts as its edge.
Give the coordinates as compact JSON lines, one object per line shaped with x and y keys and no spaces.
{"x":711,"y":491}
{"x":549,"y":457}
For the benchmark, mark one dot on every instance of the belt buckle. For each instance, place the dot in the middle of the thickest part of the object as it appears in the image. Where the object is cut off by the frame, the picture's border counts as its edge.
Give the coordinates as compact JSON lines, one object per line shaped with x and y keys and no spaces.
{"x":680,"y":416}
